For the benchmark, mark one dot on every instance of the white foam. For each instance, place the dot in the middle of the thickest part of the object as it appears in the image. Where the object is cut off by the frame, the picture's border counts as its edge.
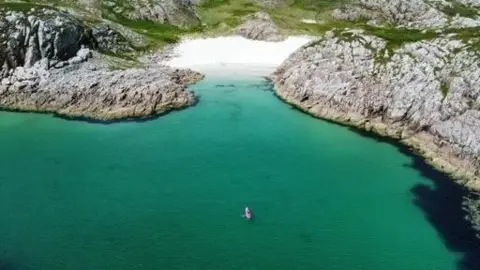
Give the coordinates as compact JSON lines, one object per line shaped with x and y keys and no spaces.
{"x":234,"y":55}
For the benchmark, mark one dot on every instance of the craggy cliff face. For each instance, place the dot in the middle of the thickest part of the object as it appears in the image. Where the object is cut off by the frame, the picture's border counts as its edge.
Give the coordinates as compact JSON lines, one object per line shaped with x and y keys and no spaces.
{"x":425,"y":92}
{"x":48,"y":66}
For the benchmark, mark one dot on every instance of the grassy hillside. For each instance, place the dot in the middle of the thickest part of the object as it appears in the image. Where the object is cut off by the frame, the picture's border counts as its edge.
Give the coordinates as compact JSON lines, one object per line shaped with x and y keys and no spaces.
{"x":220,"y":16}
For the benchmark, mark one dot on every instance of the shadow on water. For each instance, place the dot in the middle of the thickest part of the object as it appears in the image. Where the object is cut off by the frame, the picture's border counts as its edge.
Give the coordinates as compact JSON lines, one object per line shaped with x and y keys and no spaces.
{"x":6,"y":265}
{"x":442,"y":206}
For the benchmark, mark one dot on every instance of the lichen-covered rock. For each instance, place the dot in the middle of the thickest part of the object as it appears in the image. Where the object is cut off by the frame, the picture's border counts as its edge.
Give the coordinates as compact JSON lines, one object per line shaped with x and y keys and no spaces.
{"x":108,"y":40}
{"x":417,"y":14}
{"x":47,"y":66}
{"x":27,"y":38}
{"x":426,"y":93}
{"x":176,"y":12}
{"x":260,"y":26}
{"x":89,"y":90}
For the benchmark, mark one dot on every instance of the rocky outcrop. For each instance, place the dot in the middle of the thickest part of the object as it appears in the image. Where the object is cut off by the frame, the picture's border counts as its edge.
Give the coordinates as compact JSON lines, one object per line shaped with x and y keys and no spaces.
{"x":417,"y":14}
{"x":49,"y":34}
{"x":27,"y":38}
{"x":105,"y":39}
{"x":89,"y":90}
{"x":47,"y":67}
{"x":260,"y":26}
{"x":176,"y":12}
{"x":426,"y":93}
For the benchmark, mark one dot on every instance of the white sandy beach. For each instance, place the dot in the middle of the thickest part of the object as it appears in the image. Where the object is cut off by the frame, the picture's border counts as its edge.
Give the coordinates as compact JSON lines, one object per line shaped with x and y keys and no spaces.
{"x":234,"y":55}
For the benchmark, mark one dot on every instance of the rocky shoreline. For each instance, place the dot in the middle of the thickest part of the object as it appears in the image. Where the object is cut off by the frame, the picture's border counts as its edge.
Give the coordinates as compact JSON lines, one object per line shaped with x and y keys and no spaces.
{"x":47,"y":67}
{"x":441,"y":158}
{"x":341,"y":77}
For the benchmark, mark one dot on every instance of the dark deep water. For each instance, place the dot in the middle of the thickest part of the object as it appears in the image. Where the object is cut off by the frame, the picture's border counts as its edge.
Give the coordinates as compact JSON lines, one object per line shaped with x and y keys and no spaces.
{"x":169,"y":193}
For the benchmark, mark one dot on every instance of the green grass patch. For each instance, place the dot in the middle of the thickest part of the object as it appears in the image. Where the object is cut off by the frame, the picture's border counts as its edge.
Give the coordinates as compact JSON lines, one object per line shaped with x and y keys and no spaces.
{"x":23,"y":7}
{"x":317,"y":5}
{"x":444,"y":88}
{"x":396,"y":37}
{"x":157,"y":33}
{"x":460,"y":9}
{"x":470,"y":36}
{"x":215,"y":12}
{"x":214,"y":3}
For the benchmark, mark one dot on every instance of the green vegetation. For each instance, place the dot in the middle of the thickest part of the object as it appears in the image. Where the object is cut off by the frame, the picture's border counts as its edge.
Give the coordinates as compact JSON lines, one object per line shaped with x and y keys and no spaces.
{"x":162,"y":33}
{"x":220,"y":16}
{"x":444,"y":88}
{"x":23,"y":7}
{"x":396,"y":37}
{"x":470,"y":36}
{"x":214,"y":13}
{"x":317,"y":5}
{"x":460,"y":9}
{"x":119,"y":63}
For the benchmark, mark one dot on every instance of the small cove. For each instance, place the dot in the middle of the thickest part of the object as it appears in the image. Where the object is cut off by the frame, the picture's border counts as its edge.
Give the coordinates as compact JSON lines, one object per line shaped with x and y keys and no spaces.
{"x":169,"y":193}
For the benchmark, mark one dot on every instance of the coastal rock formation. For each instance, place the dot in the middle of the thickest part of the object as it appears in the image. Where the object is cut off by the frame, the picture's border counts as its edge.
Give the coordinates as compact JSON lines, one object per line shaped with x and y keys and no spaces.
{"x":417,"y":14}
{"x":48,"y":67}
{"x":260,"y":26}
{"x":176,"y":12}
{"x":425,"y":93}
{"x":90,"y":90}
{"x":26,"y":38}
{"x":49,"y":34}
{"x":105,"y":39}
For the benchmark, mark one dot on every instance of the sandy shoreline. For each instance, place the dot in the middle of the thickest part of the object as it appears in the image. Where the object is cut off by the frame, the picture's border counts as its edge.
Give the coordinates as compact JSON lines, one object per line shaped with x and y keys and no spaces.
{"x":233,"y":55}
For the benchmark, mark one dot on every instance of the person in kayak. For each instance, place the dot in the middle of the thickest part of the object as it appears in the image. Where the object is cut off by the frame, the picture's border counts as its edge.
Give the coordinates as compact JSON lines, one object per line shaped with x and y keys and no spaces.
{"x":248,"y":213}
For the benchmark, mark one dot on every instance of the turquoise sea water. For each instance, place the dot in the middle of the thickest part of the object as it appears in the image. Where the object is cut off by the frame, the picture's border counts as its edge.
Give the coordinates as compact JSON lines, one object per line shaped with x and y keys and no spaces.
{"x":169,"y":193}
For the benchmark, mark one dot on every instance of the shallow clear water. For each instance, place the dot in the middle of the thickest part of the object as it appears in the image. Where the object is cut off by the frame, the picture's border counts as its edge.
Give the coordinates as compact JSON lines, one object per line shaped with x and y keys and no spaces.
{"x":169,"y":193}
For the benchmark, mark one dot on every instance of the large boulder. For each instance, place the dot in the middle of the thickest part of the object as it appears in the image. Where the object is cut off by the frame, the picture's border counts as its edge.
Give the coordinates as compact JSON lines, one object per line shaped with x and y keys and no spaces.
{"x":175,"y":12}
{"x":260,"y":26}
{"x":27,"y":38}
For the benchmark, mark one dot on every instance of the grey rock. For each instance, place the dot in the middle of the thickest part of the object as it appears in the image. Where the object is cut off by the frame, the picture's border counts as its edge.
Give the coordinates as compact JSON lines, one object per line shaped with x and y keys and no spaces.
{"x":75,"y":60}
{"x":417,"y":14}
{"x":108,"y":40}
{"x":89,"y":90}
{"x":61,"y":64}
{"x":260,"y":26}
{"x":176,"y":12}
{"x":84,"y":54}
{"x":428,"y":91}
{"x":55,"y":36}
{"x":20,"y":85}
{"x":6,"y":81}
